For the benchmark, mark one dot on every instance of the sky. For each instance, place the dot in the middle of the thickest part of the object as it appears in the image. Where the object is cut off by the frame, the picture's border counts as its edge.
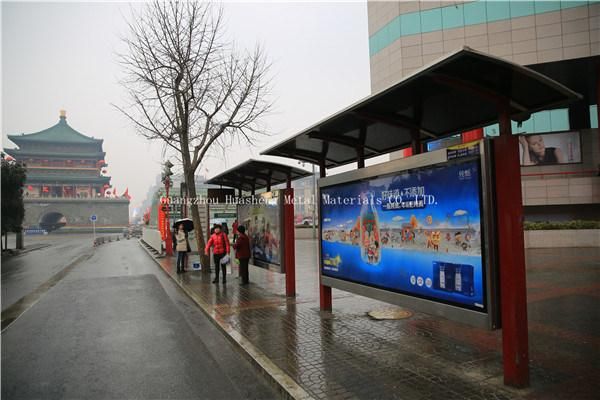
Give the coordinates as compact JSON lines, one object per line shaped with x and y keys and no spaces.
{"x":63,"y":56}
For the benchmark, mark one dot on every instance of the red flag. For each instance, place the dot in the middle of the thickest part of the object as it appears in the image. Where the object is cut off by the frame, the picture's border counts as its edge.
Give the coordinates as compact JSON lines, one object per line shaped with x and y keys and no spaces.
{"x":126,"y":194}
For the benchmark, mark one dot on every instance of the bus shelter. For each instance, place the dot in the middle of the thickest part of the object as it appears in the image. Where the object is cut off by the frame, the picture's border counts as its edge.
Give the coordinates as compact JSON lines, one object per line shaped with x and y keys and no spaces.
{"x":254,"y":175}
{"x":460,"y":92}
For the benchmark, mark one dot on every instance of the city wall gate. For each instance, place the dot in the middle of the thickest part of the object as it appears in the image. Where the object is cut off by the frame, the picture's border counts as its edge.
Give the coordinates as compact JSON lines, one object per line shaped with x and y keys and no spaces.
{"x":54,"y":213}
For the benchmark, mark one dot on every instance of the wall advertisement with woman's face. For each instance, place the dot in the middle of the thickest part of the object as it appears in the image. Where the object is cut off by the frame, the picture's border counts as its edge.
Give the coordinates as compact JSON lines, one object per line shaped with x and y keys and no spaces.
{"x":550,"y":149}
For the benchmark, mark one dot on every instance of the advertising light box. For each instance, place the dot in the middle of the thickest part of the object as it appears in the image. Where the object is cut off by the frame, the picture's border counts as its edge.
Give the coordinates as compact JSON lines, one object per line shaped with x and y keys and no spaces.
{"x":411,"y":232}
{"x":262,"y":217}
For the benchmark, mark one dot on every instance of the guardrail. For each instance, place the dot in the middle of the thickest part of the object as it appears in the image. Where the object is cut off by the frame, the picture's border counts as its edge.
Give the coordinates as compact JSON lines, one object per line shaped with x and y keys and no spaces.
{"x":106,"y":239}
{"x":152,"y":238}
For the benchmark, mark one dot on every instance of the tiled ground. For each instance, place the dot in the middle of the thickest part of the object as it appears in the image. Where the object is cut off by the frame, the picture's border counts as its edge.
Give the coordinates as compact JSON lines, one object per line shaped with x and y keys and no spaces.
{"x":345,"y":354}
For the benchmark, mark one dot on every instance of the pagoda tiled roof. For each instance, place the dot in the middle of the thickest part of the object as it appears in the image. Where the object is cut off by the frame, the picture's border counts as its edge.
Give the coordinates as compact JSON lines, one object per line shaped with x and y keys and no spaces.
{"x":20,"y":153}
{"x":59,"y":133}
{"x":66,"y":179}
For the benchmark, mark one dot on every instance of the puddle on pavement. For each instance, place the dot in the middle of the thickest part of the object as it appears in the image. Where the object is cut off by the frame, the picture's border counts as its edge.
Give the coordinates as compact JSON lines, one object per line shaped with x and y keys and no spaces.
{"x":389,"y":313}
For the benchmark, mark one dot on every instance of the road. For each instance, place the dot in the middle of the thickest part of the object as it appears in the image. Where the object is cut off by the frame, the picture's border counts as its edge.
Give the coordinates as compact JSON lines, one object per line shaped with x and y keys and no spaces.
{"x":22,"y":274}
{"x":117,"y":327}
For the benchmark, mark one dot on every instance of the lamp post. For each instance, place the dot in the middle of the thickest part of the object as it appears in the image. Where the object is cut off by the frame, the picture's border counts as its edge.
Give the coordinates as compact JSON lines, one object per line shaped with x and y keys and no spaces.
{"x":166,"y":178}
{"x":314,"y":202}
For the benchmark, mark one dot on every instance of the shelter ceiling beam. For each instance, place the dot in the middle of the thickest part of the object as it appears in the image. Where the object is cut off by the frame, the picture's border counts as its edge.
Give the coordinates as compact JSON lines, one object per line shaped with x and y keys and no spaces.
{"x":278,"y":168}
{"x":252,"y":174}
{"x":393,"y":120}
{"x":479,"y":91}
{"x":342,"y":140}
{"x":305,"y":155}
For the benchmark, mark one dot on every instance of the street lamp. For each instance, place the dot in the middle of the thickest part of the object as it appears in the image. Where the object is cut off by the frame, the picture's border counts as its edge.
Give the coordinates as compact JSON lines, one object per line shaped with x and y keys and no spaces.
{"x":166,"y":179}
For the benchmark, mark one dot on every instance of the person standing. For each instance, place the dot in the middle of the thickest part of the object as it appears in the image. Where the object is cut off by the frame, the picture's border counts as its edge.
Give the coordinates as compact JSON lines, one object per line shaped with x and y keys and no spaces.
{"x":225,"y":228}
{"x":234,"y":227}
{"x":220,"y":244}
{"x":242,"y":253}
{"x":182,"y":245}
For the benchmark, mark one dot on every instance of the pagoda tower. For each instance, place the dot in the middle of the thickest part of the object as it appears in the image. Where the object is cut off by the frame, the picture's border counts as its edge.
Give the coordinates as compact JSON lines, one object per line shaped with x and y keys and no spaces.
{"x":64,"y":172}
{"x":61,"y":162}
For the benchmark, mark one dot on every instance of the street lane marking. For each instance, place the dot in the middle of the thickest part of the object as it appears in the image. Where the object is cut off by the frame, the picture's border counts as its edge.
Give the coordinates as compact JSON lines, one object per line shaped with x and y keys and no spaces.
{"x":12,"y":313}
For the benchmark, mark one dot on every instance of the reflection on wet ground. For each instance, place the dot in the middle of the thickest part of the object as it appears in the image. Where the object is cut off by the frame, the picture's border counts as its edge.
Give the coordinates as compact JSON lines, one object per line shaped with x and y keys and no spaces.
{"x":347,"y":354}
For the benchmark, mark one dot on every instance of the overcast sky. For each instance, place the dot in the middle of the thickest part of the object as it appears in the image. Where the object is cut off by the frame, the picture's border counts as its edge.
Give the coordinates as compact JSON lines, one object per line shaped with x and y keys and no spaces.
{"x":62,"y":56}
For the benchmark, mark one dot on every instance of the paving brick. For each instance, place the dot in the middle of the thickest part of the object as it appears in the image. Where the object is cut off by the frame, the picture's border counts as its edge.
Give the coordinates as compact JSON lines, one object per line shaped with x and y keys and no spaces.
{"x":343,"y":354}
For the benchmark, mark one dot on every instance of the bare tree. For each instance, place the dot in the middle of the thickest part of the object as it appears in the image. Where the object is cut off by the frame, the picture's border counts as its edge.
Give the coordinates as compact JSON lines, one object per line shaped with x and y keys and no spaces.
{"x":188,"y":87}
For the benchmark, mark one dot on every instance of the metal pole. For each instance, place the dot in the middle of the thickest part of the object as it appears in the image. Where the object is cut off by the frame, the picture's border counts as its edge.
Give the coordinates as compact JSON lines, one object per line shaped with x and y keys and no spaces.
{"x":168,"y":241}
{"x":289,"y":241}
{"x":314,"y":203}
{"x":325,"y":297}
{"x":94,"y":228}
{"x":511,"y":255}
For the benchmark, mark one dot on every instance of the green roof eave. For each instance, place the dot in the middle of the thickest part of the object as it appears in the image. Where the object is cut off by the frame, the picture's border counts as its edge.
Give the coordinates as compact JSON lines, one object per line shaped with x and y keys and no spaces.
{"x":59,"y":133}
{"x":66,"y":179}
{"x":17,"y":153}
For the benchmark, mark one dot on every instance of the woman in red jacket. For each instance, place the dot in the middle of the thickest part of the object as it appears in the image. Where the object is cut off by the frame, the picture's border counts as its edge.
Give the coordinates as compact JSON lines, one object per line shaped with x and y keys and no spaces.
{"x":218,"y":240}
{"x":242,"y":253}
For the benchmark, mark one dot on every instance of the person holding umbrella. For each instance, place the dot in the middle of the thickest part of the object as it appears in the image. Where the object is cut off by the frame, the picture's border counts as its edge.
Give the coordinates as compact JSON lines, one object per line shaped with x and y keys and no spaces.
{"x":181,"y":242}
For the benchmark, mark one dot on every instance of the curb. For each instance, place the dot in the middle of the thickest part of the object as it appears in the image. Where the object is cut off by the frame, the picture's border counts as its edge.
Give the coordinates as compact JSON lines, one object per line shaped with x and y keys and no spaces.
{"x":286,"y":385}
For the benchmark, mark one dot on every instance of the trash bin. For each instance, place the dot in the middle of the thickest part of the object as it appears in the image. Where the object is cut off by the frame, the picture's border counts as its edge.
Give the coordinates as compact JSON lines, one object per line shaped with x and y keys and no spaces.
{"x":196,"y":266}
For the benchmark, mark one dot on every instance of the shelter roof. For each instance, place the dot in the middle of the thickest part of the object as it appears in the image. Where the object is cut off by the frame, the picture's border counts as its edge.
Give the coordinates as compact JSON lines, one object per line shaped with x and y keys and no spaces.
{"x":459,"y":92}
{"x":255,"y":174}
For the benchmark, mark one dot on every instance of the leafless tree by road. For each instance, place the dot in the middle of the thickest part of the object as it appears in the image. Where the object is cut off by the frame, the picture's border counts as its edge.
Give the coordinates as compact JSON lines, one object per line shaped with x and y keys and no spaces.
{"x":189,"y":87}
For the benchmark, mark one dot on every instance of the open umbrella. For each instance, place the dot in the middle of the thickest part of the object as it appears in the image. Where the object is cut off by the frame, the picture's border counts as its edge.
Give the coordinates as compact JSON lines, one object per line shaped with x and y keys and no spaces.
{"x":188,"y":224}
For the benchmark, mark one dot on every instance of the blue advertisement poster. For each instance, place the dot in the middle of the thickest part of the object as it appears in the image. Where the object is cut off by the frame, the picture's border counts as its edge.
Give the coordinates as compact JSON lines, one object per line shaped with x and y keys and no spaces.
{"x":417,"y":232}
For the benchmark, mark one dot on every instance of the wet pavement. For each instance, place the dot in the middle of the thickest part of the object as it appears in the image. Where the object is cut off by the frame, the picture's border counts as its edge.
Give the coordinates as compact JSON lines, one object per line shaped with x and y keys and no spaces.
{"x":345,"y":354}
{"x":43,"y":257}
{"x":114,"y":326}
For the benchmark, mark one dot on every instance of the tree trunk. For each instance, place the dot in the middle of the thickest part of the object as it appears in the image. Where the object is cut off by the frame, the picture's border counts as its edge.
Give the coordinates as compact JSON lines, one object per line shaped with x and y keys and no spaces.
{"x":198,"y":228}
{"x":20,"y":240}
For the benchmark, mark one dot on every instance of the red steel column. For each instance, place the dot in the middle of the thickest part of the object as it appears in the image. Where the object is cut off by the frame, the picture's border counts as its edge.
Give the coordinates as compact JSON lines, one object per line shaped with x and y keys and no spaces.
{"x":324,"y":291}
{"x":598,"y":100}
{"x":511,"y":255}
{"x":289,"y":240}
{"x":168,"y":239}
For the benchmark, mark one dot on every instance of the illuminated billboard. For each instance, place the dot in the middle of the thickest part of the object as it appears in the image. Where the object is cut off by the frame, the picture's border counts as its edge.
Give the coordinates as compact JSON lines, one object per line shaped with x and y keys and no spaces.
{"x":416,"y":231}
{"x":262,"y":217}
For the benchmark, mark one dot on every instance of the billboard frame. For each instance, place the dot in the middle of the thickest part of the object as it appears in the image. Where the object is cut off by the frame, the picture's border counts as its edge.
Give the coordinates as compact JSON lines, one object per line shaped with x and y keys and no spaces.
{"x":489,"y":318}
{"x":579,"y":134}
{"x":279,"y":195}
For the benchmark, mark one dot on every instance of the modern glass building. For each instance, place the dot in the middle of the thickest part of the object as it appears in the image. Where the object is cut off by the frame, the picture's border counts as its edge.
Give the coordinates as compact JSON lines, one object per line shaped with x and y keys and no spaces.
{"x":560,"y":39}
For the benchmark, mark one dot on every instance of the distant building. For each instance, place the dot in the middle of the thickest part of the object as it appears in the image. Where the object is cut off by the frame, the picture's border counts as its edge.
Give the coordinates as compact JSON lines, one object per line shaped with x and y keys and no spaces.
{"x":65,"y":184}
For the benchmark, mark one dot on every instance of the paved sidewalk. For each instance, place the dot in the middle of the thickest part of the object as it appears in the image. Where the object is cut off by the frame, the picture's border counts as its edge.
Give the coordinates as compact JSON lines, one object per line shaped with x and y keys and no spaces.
{"x":347,"y":355}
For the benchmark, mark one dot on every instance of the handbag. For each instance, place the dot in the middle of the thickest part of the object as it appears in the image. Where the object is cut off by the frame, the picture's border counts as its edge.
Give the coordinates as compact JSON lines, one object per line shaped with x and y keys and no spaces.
{"x":225,"y":260}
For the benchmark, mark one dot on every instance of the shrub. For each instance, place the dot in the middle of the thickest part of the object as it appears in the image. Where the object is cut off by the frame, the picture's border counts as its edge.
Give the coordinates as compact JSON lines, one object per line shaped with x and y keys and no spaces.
{"x":547,"y":225}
